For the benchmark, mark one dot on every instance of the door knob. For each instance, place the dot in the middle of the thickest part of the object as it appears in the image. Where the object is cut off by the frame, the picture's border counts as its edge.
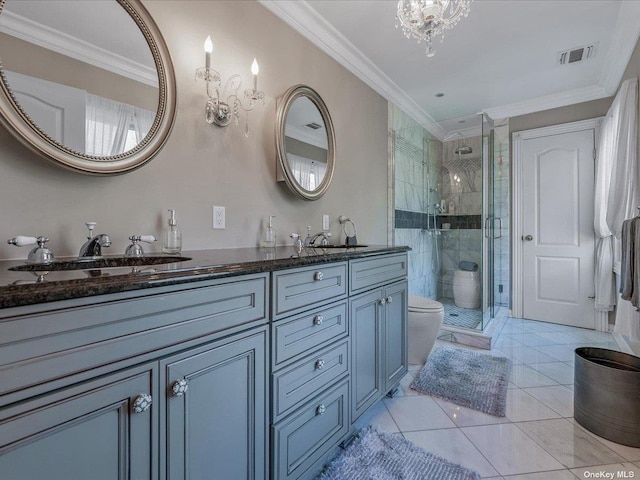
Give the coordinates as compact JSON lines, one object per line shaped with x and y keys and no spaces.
{"x":528,"y":238}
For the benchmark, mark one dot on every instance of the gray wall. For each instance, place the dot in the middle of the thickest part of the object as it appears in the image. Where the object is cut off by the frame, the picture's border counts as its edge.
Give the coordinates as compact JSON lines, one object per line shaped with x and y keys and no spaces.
{"x":202,"y":165}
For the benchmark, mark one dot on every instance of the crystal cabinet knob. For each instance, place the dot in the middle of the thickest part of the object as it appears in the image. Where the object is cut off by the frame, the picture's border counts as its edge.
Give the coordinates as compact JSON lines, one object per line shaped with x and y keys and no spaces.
{"x":321,"y":409}
{"x":318,"y":276}
{"x":142,"y":403}
{"x":319,"y":364}
{"x":388,"y":299}
{"x":318,"y":319}
{"x":382,"y":301}
{"x":180,"y":387}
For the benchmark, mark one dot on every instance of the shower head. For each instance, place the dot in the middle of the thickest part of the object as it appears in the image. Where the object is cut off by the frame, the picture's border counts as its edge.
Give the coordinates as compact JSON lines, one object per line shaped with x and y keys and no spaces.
{"x":463,"y":150}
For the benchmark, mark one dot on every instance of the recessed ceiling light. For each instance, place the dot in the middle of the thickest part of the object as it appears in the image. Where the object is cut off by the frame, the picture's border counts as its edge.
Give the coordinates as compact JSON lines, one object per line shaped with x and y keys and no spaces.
{"x":439,"y":95}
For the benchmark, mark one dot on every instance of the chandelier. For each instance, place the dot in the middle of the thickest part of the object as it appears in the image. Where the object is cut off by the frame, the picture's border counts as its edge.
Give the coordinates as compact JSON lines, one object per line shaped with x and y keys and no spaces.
{"x":426,"y":19}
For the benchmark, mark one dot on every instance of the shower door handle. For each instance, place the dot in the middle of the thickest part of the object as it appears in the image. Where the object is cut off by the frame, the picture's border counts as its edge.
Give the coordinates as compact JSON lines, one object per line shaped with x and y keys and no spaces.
{"x":486,"y":230}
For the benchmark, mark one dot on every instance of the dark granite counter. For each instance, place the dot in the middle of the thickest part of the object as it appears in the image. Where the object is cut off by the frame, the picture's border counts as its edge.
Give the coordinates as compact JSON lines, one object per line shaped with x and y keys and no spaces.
{"x":18,"y":288}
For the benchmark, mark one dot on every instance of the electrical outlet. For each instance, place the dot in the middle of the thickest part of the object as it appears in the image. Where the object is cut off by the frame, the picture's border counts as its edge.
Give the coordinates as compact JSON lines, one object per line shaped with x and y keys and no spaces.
{"x":325,"y":222}
{"x":218,"y":218}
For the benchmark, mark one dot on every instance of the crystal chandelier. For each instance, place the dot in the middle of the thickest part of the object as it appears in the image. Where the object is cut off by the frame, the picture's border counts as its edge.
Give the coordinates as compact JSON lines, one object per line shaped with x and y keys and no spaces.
{"x":426,"y":19}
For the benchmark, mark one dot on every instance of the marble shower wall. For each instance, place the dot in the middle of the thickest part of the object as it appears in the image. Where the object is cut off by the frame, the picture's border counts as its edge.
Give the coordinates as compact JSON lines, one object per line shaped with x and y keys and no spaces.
{"x":416,"y":174}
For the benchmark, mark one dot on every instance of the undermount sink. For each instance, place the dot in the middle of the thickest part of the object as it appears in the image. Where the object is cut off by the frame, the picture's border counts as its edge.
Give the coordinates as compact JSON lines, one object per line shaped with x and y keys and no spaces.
{"x":93,"y":263}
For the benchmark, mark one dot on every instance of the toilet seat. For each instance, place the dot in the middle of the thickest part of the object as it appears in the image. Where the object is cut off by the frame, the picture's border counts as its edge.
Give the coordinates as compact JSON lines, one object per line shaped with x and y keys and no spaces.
{"x":426,"y":305}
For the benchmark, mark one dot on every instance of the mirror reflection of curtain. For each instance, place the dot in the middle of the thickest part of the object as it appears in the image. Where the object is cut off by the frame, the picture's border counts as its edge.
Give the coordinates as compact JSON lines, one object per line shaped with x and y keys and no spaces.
{"x":114,"y":127}
{"x":308,"y":173}
{"x":616,"y":198}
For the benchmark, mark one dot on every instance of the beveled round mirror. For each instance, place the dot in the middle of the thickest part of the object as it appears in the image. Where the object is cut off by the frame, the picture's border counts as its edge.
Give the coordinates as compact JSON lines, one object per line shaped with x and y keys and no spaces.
{"x":305,"y":142}
{"x":88,"y":85}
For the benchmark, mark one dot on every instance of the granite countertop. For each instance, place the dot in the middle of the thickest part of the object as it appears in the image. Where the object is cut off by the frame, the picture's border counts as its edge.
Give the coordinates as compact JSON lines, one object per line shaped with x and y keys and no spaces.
{"x":19,"y":288}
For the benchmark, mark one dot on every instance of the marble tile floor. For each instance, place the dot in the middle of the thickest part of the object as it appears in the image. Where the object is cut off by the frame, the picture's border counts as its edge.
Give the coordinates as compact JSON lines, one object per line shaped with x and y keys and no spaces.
{"x":539,"y":438}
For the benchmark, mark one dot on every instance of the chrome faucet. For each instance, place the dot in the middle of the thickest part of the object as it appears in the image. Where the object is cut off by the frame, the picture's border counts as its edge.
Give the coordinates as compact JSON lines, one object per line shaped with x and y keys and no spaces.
{"x":93,"y":246}
{"x":310,"y":241}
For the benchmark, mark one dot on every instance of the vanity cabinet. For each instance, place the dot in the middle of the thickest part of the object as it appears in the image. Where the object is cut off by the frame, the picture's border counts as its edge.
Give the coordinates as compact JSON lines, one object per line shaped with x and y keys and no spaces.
{"x":310,"y":369}
{"x":101,"y":429}
{"x":378,"y":324}
{"x":213,"y":410}
{"x":168,"y":385}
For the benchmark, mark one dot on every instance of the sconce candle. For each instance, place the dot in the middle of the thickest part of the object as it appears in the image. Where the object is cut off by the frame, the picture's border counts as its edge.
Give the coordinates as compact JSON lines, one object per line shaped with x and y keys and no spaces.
{"x":255,"y":69}
{"x":208,"y":48}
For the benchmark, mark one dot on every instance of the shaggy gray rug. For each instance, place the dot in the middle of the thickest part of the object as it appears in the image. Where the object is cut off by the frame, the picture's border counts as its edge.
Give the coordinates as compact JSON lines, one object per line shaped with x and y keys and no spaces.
{"x":383,"y":456}
{"x":466,"y":378}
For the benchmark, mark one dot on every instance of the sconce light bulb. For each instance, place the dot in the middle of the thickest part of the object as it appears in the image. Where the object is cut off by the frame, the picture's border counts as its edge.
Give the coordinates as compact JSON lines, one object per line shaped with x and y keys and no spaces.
{"x":254,"y":67}
{"x":208,"y":45}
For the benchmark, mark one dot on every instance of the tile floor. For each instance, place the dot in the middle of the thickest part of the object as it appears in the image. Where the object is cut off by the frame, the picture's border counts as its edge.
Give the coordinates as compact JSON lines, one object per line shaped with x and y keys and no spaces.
{"x":538,"y":439}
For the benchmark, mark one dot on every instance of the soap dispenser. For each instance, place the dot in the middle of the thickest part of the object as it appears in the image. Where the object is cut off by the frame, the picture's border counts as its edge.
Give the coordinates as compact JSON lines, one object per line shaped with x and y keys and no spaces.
{"x":172,"y":237}
{"x":269,"y":240}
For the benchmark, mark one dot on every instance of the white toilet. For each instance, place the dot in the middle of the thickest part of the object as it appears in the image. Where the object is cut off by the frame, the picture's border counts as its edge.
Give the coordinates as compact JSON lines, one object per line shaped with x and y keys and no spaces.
{"x":425,"y":319}
{"x":466,"y":289}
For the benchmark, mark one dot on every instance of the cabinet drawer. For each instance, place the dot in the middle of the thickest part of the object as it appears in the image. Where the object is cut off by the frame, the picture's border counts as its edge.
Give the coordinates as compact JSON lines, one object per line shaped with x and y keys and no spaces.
{"x":308,"y":331}
{"x":301,"y":287}
{"x":296,"y":383}
{"x":373,"y":272}
{"x":308,"y":433}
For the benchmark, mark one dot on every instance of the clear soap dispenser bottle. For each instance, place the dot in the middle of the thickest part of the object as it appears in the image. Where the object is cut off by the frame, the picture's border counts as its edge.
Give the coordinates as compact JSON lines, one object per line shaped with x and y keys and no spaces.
{"x":172,"y":238}
{"x":270,"y":235}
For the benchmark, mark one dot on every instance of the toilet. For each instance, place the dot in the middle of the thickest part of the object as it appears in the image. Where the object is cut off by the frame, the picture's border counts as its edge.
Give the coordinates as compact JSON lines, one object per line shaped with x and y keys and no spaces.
{"x":425,"y":319}
{"x":466,"y":289}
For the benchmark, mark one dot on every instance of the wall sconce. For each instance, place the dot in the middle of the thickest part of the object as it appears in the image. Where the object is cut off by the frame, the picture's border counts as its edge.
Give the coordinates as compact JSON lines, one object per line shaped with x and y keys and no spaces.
{"x":225,"y":105}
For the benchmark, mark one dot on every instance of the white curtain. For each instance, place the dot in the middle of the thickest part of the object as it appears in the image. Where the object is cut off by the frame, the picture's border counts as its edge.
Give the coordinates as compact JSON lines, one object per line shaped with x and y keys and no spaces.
{"x":309,"y":173}
{"x":110,"y":124}
{"x":616,"y":192}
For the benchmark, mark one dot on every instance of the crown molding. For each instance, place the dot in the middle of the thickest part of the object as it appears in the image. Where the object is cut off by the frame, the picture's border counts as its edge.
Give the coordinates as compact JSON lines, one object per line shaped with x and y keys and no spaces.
{"x":570,"y":97}
{"x":305,"y":20}
{"x":299,"y":15}
{"x":60,"y":42}
{"x":623,"y":42}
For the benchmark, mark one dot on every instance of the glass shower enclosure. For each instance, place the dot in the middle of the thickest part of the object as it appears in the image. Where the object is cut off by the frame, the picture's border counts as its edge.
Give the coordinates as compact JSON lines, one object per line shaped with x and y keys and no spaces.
{"x":444,"y":209}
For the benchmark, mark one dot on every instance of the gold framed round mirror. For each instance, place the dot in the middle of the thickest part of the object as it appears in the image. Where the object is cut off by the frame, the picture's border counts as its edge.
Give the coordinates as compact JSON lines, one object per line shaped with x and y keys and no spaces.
{"x":305,"y":142}
{"x":89,"y":86}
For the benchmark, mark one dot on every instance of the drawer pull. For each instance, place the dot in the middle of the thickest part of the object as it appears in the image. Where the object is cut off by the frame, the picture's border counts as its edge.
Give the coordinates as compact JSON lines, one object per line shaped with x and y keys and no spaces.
{"x":317,"y":320}
{"x":389,"y":299}
{"x":180,"y":387}
{"x":319,"y":364}
{"x":318,"y":276}
{"x":142,"y":403}
{"x":321,"y":409}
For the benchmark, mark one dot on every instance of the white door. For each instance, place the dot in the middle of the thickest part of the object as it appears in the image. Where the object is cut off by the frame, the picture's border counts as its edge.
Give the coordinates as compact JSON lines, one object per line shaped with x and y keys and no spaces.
{"x":557,"y":233}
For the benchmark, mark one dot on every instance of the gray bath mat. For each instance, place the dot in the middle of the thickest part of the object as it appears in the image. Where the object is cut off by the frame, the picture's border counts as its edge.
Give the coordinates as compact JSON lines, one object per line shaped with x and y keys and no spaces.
{"x":383,"y":456}
{"x":466,"y":378}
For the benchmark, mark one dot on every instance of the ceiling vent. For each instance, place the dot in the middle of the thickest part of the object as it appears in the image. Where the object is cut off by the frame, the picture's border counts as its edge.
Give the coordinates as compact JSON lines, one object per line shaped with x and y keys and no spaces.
{"x":313,"y":125}
{"x":578,"y":54}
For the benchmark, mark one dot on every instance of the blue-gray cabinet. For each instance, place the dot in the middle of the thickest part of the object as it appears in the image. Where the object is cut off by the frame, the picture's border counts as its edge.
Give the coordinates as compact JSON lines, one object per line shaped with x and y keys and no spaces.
{"x":378,"y":324}
{"x":106,"y":428}
{"x":167,"y":383}
{"x":215,"y":410}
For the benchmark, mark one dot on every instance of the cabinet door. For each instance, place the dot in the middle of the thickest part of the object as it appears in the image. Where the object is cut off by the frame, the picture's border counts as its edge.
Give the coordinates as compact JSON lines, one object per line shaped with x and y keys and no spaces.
{"x":366,"y":351}
{"x":91,"y":431}
{"x":395,"y":334}
{"x":216,"y":417}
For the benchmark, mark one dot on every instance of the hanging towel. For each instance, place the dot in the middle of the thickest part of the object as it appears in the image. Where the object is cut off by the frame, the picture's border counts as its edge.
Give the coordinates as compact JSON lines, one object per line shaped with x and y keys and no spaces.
{"x":630,"y":264}
{"x":468,"y":266}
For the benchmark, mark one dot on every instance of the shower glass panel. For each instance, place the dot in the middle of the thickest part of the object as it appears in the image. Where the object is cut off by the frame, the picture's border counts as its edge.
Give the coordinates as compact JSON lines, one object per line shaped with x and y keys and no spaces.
{"x":444,"y":210}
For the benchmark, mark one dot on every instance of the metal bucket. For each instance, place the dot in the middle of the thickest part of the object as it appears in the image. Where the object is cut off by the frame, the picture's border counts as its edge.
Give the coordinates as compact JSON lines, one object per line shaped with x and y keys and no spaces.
{"x":606,"y":398}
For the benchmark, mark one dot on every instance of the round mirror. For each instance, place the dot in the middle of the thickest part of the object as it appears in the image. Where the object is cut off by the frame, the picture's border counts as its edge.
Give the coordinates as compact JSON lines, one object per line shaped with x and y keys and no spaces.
{"x":88,"y":85}
{"x":305,"y":142}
